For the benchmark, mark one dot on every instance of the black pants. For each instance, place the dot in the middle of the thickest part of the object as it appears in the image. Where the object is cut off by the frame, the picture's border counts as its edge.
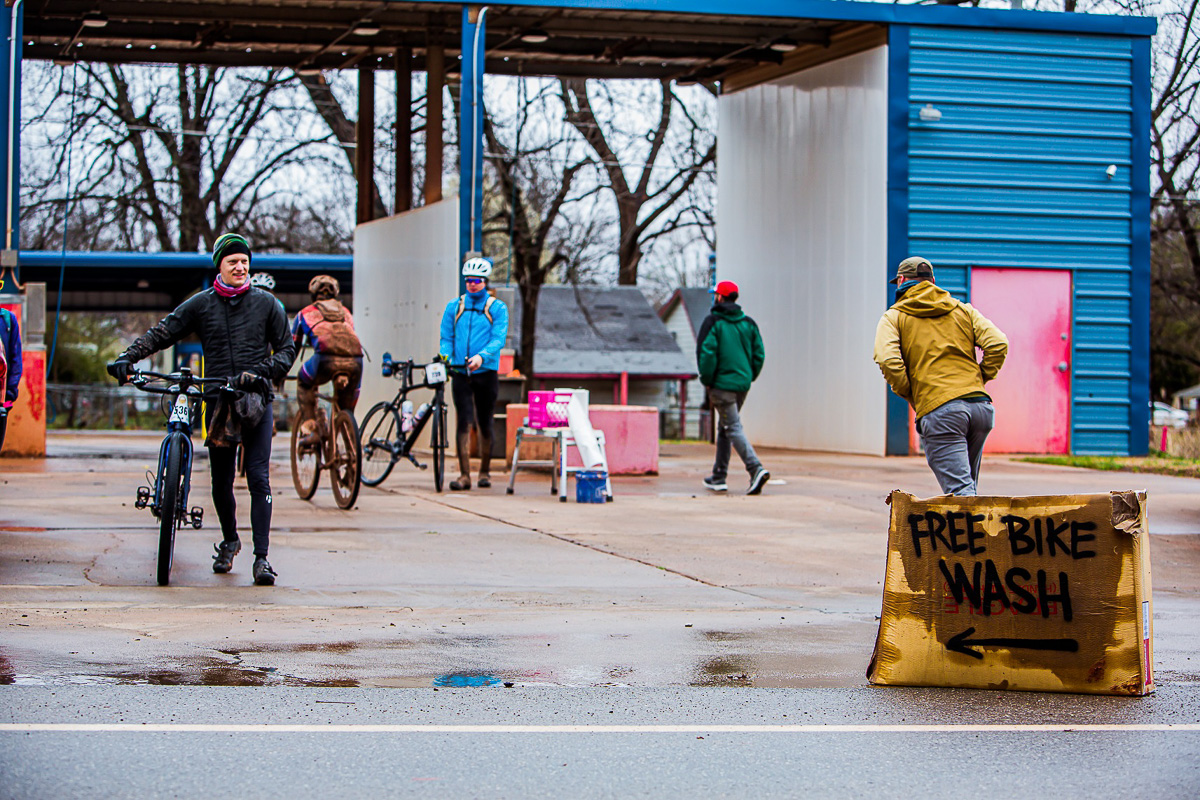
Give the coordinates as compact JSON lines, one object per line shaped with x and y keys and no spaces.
{"x":475,"y":400}
{"x":256,"y":449}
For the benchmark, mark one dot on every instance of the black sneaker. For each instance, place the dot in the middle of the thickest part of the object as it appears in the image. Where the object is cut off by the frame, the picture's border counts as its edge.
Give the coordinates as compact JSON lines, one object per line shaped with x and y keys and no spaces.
{"x":715,"y":484}
{"x":758,"y":481}
{"x":263,"y":574}
{"x":223,"y":560}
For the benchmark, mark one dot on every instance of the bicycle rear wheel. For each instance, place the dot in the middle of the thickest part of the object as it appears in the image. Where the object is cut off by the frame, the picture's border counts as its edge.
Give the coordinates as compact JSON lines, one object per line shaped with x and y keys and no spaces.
{"x":438,"y":443}
{"x":170,"y":500}
{"x":306,"y":462}
{"x":345,"y":474}
{"x":380,"y":429}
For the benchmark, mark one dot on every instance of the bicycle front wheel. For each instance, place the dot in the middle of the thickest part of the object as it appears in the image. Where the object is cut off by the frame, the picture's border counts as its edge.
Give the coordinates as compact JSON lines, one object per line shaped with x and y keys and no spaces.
{"x":306,"y":462}
{"x":380,"y":429}
{"x":170,"y":500}
{"x":438,"y":444}
{"x":346,"y":468}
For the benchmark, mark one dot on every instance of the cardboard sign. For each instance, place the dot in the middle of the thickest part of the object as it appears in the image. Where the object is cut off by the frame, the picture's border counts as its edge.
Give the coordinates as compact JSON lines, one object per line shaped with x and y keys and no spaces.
{"x":1034,"y":593}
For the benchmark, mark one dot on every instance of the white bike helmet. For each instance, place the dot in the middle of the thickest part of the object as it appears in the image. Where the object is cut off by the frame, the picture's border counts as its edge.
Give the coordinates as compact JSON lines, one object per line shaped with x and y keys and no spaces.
{"x":477,"y":268}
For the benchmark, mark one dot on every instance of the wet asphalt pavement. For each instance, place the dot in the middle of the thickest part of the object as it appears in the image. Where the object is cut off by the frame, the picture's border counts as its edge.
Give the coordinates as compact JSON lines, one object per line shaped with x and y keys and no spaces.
{"x":668,"y":607}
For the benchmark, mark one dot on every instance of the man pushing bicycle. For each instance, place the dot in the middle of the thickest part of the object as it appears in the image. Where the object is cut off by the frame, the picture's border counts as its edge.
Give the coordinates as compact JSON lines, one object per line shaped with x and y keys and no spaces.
{"x":244,"y":332}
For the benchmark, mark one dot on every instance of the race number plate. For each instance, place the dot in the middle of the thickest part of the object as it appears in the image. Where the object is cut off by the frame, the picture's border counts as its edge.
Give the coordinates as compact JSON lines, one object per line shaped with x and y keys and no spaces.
{"x":181,"y":412}
{"x":435,"y":373}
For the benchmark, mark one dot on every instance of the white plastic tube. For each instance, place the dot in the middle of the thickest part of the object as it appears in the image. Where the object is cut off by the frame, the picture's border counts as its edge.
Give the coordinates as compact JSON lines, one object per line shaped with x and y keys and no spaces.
{"x":584,"y":434}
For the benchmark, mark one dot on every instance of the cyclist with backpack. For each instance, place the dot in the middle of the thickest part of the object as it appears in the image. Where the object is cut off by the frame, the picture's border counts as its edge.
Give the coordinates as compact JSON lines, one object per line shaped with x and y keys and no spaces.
{"x":327,"y":326}
{"x":474,"y":328}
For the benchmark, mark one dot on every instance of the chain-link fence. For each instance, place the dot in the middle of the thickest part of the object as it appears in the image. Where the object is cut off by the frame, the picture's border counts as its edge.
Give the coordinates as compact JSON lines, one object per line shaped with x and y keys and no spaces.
{"x":101,"y":407}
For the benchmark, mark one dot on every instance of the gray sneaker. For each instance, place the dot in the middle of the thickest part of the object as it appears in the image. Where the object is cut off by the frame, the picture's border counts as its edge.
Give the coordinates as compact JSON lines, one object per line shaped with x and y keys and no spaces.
{"x":758,"y":481}
{"x":715,"y":484}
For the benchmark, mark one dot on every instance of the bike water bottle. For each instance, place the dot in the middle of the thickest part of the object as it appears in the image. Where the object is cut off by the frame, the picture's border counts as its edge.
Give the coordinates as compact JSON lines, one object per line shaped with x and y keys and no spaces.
{"x":406,"y":416}
{"x":421,"y":412}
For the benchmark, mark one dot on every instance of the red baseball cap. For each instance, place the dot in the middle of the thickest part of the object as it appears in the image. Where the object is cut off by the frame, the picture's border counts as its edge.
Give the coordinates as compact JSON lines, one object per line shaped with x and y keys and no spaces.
{"x":726,"y":288}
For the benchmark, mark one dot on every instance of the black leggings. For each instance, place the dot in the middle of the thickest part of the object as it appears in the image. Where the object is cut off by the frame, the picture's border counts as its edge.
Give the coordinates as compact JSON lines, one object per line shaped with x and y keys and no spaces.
{"x":256,"y":448}
{"x":475,"y":400}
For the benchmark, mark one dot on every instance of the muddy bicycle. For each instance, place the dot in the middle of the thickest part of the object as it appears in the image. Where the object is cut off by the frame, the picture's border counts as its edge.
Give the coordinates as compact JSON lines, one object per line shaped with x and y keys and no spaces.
{"x":391,"y":429}
{"x":328,"y":442}
{"x":167,"y":495}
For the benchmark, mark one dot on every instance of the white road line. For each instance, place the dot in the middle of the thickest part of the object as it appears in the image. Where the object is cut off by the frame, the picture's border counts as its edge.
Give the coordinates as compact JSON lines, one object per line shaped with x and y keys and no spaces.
{"x":157,"y":727}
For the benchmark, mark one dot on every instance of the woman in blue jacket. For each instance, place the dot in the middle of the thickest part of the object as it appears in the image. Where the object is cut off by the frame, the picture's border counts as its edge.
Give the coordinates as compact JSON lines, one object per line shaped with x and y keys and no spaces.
{"x":474,"y":328}
{"x":10,"y":365}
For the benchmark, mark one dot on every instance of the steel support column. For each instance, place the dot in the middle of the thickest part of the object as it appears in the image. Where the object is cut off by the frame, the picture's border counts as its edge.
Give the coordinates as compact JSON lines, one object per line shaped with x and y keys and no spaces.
{"x":470,"y":129}
{"x":404,"y":184}
{"x":435,"y":83}
{"x":10,"y":133}
{"x":364,"y":152}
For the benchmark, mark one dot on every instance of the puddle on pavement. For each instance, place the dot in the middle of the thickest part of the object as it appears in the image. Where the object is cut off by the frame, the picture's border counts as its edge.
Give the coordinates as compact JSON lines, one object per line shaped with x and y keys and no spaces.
{"x":702,"y":658}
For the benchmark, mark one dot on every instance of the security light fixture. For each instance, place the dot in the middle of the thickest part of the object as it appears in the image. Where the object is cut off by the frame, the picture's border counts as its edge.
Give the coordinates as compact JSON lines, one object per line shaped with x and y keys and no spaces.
{"x":535,"y":36}
{"x":929,"y":113}
{"x":783,"y":45}
{"x":307,"y":71}
{"x":1111,"y":172}
{"x":366,"y":29}
{"x":94,"y":19}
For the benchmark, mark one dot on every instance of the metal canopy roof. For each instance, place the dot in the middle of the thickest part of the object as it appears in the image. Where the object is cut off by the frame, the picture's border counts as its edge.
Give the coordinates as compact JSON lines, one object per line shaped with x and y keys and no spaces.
{"x":322,"y":33}
{"x":707,"y":39}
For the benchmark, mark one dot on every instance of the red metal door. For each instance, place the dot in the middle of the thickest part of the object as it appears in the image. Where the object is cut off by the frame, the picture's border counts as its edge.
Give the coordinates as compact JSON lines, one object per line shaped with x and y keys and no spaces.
{"x":1032,"y":394}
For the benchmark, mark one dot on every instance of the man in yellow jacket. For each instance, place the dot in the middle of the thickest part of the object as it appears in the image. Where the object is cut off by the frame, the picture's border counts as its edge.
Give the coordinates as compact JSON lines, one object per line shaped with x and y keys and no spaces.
{"x":926,"y":347}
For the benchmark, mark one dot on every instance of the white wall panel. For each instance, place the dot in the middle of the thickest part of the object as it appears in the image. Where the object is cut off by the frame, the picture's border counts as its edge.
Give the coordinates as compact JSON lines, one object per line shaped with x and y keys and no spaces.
{"x":405,"y":271}
{"x":802,"y":229}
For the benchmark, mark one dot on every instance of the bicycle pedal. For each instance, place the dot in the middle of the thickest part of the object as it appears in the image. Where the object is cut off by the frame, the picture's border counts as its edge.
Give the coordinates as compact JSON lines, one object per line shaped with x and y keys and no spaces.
{"x":143,"y":497}
{"x":196,"y":517}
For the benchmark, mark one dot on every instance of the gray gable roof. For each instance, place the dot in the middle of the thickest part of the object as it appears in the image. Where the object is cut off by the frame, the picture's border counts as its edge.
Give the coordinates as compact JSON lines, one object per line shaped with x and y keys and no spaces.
{"x":694,"y":304}
{"x":697,"y":302}
{"x":591,"y":330}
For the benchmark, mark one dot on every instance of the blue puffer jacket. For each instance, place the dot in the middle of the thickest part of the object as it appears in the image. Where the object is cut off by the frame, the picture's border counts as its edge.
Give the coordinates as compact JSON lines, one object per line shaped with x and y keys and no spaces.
{"x":473,"y":335}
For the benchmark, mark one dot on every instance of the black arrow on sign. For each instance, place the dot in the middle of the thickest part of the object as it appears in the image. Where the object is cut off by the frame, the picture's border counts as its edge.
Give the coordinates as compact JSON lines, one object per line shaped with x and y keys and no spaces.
{"x":961,"y":644}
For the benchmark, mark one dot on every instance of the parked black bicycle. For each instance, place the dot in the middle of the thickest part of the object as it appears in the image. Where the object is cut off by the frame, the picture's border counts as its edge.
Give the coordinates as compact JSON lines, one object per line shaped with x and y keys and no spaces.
{"x":167,"y":496}
{"x":391,"y":429}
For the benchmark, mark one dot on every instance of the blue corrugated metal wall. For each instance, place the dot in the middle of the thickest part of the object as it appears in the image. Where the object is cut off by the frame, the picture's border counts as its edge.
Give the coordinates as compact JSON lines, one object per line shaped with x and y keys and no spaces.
{"x":1013,"y":175}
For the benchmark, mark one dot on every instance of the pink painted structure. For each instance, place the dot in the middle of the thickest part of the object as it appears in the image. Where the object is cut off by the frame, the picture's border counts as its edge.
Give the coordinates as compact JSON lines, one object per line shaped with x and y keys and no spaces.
{"x":1032,"y":394}
{"x":630,"y":432}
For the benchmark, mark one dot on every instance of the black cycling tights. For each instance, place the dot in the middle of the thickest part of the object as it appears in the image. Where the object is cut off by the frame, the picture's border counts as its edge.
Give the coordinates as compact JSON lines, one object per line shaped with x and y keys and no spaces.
{"x":475,"y":400}
{"x":256,"y":444}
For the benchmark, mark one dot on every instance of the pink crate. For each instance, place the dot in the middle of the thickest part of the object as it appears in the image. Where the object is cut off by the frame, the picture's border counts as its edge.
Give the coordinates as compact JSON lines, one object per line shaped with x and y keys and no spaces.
{"x":548,"y":409}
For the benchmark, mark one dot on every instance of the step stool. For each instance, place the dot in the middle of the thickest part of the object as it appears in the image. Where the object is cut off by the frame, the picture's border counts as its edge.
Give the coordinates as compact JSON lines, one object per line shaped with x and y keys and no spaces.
{"x":561,"y":439}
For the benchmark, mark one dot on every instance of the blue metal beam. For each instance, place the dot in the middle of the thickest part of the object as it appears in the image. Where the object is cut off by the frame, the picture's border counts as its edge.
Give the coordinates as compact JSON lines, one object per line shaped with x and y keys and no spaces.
{"x":267,"y":262}
{"x":1139,"y":343}
{"x":470,"y":136}
{"x":882,"y":13}
{"x":10,"y":96}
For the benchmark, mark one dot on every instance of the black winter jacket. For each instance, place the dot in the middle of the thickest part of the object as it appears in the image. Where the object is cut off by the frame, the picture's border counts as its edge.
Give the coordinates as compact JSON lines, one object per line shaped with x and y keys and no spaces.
{"x":247,"y":333}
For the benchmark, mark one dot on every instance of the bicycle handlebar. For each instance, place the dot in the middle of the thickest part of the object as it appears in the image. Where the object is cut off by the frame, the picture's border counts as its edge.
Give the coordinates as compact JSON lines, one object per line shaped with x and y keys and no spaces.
{"x":182,"y":381}
{"x":392,"y":368}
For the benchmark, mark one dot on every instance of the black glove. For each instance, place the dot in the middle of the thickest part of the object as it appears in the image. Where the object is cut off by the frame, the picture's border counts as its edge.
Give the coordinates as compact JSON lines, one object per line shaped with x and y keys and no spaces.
{"x":248,"y":381}
{"x":120,"y":368}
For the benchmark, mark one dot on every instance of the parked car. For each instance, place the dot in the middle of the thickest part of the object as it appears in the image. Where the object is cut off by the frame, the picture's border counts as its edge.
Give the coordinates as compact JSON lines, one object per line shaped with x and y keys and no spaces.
{"x":1168,"y":416}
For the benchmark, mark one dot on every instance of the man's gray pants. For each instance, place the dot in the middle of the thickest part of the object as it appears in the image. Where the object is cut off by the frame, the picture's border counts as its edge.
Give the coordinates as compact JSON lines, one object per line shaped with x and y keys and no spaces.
{"x":953,"y":435}
{"x":730,"y":433}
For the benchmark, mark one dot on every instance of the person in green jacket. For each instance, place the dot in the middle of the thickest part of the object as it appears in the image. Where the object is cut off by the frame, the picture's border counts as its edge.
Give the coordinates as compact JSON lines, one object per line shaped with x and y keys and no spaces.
{"x":730,"y":354}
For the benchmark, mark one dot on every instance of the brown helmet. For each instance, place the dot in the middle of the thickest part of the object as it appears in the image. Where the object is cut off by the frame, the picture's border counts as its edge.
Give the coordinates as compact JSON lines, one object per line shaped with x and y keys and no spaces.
{"x":323,"y":287}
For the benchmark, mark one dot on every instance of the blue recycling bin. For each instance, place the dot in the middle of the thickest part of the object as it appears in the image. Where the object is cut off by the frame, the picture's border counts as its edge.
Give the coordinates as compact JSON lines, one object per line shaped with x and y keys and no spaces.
{"x":590,"y":485}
